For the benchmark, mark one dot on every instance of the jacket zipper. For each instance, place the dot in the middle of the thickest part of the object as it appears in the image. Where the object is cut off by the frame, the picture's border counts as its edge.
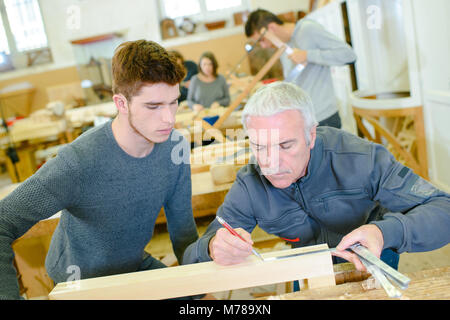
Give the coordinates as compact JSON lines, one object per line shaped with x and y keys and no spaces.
{"x":305,"y":208}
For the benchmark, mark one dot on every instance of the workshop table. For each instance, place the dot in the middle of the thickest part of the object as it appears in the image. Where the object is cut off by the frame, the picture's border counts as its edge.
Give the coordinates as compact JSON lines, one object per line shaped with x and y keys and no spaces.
{"x":433,"y":284}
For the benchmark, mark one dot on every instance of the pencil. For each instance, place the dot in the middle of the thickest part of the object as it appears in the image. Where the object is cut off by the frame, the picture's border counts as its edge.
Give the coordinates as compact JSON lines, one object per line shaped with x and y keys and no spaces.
{"x":234,"y":233}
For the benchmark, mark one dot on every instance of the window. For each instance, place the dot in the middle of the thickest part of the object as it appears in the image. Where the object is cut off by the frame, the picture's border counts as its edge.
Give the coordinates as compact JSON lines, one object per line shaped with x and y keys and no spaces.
{"x":22,"y":32}
{"x":175,"y":8}
{"x":25,"y":21}
{"x":4,"y":47}
{"x":203,"y":10}
{"x":212,"y":5}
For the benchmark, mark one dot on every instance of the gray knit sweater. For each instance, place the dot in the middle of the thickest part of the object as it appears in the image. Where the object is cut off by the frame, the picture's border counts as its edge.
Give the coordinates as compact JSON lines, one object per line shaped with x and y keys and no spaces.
{"x":205,"y":93}
{"x":109,"y":201}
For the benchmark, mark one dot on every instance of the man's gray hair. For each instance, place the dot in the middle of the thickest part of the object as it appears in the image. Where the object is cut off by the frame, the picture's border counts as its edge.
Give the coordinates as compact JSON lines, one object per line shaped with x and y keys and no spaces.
{"x":277,"y":97}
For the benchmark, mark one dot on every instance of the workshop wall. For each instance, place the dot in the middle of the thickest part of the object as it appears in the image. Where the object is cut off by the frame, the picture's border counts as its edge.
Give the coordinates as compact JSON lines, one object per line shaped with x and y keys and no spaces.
{"x":228,"y":51}
{"x":432,"y":30}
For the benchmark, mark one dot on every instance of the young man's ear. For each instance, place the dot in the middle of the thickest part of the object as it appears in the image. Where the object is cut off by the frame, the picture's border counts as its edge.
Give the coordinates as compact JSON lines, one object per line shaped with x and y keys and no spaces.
{"x":121,"y":103}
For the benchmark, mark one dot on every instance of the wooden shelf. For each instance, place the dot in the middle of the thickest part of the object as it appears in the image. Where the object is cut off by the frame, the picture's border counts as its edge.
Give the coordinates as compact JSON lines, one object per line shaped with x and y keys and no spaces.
{"x":98,"y":38}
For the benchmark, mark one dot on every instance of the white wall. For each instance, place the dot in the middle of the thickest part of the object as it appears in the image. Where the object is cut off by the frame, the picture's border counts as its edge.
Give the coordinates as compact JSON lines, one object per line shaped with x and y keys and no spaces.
{"x":428,"y":31}
{"x":432,"y":29}
{"x":67,"y":20}
{"x":378,"y":38}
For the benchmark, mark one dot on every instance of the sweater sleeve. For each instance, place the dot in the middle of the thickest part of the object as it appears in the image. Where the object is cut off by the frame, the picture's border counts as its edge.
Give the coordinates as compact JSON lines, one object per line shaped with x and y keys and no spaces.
{"x":178,"y":210}
{"x":225,"y":100}
{"x":419,"y":217}
{"x":52,"y":188}
{"x":191,"y":92}
{"x":330,"y":50}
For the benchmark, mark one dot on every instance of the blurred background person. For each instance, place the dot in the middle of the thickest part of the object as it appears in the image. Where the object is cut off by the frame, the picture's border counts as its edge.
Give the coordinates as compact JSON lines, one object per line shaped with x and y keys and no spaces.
{"x":315,"y":48}
{"x":207,"y":88}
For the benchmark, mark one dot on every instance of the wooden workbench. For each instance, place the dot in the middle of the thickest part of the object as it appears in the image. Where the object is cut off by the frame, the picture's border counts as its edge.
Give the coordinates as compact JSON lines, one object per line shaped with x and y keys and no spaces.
{"x":433,"y":284}
{"x":28,"y":136}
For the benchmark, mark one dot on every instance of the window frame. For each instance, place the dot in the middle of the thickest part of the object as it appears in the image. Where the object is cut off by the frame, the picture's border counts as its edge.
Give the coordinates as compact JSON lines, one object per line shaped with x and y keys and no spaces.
{"x":12,"y":46}
{"x":205,"y":15}
{"x":10,"y":33}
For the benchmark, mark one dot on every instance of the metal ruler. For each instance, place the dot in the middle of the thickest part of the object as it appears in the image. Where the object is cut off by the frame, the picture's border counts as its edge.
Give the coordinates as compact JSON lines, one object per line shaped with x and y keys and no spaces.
{"x":381,"y":278}
{"x":380,"y":270}
{"x":298,"y":254}
{"x":375,"y":266}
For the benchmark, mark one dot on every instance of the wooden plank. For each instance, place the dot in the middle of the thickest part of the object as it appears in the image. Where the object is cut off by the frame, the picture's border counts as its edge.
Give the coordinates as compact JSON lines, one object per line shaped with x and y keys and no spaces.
{"x":346,"y":272}
{"x":318,"y":282}
{"x":200,"y":278}
{"x":102,"y":37}
{"x":202,"y":183}
{"x":223,"y":173}
{"x":31,"y":129}
{"x":431,"y":284}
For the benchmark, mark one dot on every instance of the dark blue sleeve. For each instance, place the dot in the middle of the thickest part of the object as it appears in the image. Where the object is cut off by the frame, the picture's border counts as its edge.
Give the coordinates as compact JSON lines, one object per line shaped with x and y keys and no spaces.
{"x":419,"y":217}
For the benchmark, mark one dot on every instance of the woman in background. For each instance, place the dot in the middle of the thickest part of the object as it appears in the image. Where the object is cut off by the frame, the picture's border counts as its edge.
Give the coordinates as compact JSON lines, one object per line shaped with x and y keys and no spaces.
{"x":207,"y":88}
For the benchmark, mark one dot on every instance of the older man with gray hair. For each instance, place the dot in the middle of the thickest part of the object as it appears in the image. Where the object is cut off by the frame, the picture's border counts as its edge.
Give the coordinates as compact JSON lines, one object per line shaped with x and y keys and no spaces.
{"x":313,"y":185}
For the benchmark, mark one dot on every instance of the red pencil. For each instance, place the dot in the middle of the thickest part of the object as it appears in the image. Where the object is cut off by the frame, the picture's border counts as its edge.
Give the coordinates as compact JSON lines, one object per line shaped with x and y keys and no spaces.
{"x":234,"y":233}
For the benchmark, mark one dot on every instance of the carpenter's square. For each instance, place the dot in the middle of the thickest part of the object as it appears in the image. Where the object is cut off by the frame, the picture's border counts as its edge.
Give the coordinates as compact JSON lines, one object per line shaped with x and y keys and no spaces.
{"x":375,"y":266}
